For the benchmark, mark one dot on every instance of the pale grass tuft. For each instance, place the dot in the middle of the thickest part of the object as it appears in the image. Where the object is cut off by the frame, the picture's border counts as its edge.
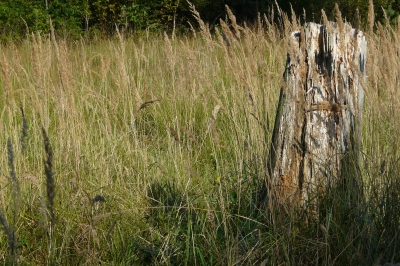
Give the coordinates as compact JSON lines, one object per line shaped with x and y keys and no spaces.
{"x":123,"y":80}
{"x":272,"y":32}
{"x":6,"y":77}
{"x":295,"y":21}
{"x":284,"y":21}
{"x":36,"y":56}
{"x":204,"y":30}
{"x":222,"y":39}
{"x":65,"y":67}
{"x":42,"y":56}
{"x":371,"y":16}
{"x":215,"y":112}
{"x":387,"y":21}
{"x":169,"y":52}
{"x":57,"y":52}
{"x":324,"y":18}
{"x":339,"y":19}
{"x":227,"y":35}
{"x":280,"y":12}
{"x":105,"y":67}
{"x":192,"y":29}
{"x":235,"y":26}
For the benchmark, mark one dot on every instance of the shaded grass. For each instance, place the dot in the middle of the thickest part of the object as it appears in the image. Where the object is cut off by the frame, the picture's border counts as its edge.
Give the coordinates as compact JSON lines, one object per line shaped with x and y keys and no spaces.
{"x":159,"y":150}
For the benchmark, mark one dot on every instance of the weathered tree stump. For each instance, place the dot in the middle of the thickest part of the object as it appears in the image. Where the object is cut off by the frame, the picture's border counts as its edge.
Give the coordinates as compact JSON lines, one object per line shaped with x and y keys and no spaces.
{"x":318,"y":123}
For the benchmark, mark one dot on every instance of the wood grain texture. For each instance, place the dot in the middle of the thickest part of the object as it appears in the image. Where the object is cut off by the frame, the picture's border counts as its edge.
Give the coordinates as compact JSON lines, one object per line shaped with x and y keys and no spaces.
{"x":318,"y":122}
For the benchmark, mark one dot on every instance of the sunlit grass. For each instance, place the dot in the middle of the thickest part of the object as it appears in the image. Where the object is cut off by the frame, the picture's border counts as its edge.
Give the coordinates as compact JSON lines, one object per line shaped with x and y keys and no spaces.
{"x":160,"y":148}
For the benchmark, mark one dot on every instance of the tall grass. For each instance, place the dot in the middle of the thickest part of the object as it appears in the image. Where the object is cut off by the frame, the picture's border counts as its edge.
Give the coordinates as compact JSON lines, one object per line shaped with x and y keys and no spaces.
{"x":159,"y":149}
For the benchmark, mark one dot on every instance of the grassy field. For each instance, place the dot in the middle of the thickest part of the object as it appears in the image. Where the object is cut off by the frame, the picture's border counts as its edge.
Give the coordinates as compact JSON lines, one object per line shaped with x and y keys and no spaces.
{"x":152,"y":150}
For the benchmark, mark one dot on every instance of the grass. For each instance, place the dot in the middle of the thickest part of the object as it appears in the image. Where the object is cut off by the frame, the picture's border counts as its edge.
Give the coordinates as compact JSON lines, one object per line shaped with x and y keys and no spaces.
{"x":154,"y":151}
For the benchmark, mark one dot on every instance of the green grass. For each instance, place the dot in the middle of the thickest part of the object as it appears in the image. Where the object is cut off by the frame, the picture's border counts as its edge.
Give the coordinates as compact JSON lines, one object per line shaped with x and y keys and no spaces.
{"x":159,"y":155}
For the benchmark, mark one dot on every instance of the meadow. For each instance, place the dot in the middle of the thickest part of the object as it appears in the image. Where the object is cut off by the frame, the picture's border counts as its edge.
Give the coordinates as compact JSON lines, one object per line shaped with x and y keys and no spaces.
{"x":151,"y":149}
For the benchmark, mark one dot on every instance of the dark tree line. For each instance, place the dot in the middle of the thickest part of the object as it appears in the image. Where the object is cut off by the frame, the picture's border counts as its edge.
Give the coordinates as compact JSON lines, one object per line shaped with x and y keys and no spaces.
{"x":77,"y":17}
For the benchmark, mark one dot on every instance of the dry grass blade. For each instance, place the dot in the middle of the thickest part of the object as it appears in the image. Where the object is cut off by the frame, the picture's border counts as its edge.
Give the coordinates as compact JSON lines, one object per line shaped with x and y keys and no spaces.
{"x":175,"y":134}
{"x":232,"y":18}
{"x":57,"y":52}
{"x":227,"y":35}
{"x":371,"y":17}
{"x":339,"y":19}
{"x":6,"y":77}
{"x":324,"y":18}
{"x":146,"y":104}
{"x":205,"y":31}
{"x":295,"y":22}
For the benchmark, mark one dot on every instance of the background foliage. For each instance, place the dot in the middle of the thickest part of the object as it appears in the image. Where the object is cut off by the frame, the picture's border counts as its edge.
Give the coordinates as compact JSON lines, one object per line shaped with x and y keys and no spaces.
{"x":75,"y":17}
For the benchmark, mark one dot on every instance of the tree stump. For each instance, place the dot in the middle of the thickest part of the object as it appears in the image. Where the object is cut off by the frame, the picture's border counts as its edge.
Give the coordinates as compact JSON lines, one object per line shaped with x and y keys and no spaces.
{"x":317,"y":131}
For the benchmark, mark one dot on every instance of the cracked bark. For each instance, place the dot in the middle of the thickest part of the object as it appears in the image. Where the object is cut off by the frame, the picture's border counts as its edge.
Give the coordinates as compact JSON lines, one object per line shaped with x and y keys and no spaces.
{"x":317,"y":132}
